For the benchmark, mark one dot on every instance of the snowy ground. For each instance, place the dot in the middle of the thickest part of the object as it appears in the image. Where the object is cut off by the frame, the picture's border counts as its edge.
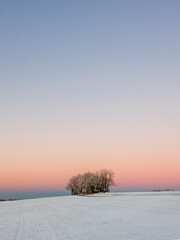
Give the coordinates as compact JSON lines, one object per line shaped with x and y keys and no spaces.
{"x":121,"y":216}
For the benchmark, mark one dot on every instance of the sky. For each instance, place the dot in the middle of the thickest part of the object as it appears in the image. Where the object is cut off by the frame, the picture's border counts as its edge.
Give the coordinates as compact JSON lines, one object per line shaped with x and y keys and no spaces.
{"x":88,"y":85}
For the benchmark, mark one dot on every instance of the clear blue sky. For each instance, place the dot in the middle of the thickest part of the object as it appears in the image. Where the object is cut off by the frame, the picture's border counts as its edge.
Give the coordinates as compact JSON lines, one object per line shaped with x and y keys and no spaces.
{"x":95,"y":72}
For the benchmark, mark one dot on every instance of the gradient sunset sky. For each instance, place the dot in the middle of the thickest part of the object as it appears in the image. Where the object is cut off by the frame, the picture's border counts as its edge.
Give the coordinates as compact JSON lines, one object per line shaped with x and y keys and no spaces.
{"x":87,"y":85}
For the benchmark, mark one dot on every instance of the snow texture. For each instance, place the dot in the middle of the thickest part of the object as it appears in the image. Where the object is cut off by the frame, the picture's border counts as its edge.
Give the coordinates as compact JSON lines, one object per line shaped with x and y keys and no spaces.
{"x":121,"y":216}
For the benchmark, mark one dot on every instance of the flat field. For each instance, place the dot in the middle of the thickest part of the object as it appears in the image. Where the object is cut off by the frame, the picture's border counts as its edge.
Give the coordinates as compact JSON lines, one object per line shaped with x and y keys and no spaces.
{"x":121,"y":216}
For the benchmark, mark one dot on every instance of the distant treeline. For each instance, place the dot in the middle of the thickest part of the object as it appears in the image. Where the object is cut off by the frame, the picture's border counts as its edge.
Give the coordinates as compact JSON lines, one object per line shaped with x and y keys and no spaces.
{"x":11,"y":199}
{"x":162,"y":190}
{"x":89,"y":182}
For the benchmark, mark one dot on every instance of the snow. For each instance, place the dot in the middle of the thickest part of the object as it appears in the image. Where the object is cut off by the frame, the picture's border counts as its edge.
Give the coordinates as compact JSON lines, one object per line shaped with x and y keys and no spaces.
{"x":122,"y":216}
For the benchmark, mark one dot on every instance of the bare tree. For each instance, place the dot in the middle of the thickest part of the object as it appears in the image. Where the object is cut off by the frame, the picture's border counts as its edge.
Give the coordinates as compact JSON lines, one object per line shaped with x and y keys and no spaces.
{"x":75,"y":185}
{"x":105,"y":180}
{"x":89,"y":181}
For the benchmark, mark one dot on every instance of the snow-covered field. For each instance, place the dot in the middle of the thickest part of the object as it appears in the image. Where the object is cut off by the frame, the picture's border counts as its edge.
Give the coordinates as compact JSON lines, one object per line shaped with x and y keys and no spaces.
{"x":121,"y":216}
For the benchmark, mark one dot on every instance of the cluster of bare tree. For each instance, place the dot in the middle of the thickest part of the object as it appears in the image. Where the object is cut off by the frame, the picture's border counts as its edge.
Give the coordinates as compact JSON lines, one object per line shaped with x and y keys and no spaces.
{"x":89,"y":183}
